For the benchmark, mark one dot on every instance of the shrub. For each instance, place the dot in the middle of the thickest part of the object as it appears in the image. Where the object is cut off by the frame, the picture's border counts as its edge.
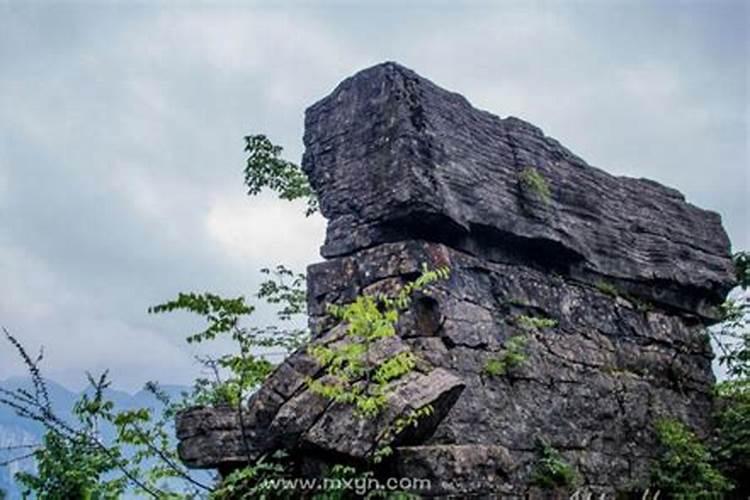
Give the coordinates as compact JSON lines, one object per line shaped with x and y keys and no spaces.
{"x":552,"y":471}
{"x":684,"y":468}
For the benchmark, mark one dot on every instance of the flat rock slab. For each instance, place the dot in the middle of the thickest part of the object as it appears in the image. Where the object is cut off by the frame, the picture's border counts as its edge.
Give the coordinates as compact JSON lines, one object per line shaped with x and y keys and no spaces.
{"x":277,"y":417}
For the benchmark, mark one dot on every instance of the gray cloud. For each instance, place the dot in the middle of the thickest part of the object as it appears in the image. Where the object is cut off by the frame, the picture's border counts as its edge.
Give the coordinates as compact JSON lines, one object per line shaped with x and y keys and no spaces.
{"x":121,"y":127}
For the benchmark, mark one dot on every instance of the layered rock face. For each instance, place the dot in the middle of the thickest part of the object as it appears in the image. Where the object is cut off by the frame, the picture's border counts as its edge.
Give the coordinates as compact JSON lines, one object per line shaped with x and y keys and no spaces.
{"x":610,"y":280}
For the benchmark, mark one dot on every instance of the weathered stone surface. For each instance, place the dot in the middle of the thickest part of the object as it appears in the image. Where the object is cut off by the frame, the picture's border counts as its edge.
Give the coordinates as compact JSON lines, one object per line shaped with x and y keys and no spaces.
{"x":625,"y":271}
{"x":210,"y":437}
{"x":393,"y":157}
{"x":459,"y":470}
{"x":341,"y":430}
{"x":285,"y":414}
{"x":593,"y":385}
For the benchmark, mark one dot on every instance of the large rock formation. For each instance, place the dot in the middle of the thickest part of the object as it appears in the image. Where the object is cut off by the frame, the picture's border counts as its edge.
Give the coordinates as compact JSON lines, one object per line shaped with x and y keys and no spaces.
{"x":627,"y":271}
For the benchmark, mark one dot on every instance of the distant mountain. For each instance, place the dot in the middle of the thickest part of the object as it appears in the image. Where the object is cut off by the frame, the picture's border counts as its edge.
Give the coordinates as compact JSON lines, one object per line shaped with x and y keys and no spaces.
{"x":19,"y":432}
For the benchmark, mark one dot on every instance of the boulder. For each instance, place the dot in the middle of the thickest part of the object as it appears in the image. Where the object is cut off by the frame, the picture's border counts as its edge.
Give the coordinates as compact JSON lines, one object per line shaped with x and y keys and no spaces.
{"x":608,"y":281}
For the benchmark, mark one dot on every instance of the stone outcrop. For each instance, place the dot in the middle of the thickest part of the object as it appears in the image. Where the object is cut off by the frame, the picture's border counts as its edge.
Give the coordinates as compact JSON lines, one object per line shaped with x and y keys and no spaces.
{"x":625,"y":271}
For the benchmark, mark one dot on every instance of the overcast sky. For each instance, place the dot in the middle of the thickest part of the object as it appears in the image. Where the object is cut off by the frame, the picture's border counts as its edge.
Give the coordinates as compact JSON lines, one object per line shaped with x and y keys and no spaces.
{"x":121,"y":138}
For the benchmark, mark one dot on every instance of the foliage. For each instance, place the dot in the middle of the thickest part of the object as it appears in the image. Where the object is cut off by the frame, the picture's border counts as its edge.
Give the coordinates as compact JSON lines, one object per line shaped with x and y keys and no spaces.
{"x":266,"y":168}
{"x":551,"y":470}
{"x":733,"y":338}
{"x":535,"y":323}
{"x":533,"y":181}
{"x":247,"y":367}
{"x":684,"y":468}
{"x":512,"y":356}
{"x":355,"y":378}
{"x":73,"y":461}
{"x":249,"y":482}
{"x":142,"y":455}
{"x":607,"y":288}
{"x":70,"y":469}
{"x":731,"y":450}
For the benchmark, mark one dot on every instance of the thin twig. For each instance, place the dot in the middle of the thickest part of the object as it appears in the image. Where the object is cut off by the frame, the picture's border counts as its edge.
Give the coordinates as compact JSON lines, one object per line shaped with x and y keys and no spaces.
{"x":16,"y":459}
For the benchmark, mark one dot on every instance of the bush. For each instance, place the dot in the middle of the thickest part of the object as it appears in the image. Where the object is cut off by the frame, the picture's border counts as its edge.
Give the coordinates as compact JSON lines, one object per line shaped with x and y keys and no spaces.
{"x":684,"y":468}
{"x":552,"y":471}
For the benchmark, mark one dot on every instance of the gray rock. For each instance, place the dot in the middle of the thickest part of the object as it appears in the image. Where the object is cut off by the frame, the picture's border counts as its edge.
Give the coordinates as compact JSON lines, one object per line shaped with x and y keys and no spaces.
{"x":393,"y":157}
{"x":630,"y":273}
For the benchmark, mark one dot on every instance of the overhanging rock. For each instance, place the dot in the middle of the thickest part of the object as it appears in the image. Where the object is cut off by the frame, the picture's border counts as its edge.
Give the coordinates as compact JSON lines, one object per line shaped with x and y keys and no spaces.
{"x":625,"y":271}
{"x":394,"y":157}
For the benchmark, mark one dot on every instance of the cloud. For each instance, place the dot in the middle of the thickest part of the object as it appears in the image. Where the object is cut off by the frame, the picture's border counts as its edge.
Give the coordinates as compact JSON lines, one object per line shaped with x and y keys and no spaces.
{"x":263,"y":229}
{"x":121,"y":139}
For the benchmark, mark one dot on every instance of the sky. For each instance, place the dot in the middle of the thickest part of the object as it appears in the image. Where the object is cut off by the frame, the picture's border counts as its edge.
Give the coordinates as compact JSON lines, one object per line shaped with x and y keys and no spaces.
{"x":121,"y":149}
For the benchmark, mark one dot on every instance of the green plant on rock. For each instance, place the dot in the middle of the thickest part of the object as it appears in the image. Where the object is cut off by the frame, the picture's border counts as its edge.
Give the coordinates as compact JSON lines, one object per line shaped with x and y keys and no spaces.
{"x":353,"y":376}
{"x":551,"y":470}
{"x":607,"y":288}
{"x":684,"y":468}
{"x":640,"y":304}
{"x":535,"y":322}
{"x":512,"y":356}
{"x":534,"y":182}
{"x":411,"y":419}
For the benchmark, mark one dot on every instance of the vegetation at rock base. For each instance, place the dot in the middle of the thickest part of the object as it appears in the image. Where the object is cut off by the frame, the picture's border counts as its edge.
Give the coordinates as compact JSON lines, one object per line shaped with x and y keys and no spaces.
{"x":690,"y":468}
{"x":731,"y":448}
{"x":684,"y":469}
{"x":534,"y":182}
{"x":551,"y":470}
